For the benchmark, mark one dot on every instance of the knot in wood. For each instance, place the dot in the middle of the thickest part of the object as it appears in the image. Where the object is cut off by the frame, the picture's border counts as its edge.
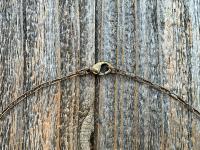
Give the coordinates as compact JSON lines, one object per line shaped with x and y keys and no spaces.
{"x":101,"y":68}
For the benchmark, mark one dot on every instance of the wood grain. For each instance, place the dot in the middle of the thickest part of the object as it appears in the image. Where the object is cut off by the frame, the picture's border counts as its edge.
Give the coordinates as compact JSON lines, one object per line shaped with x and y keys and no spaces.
{"x":77,"y":51}
{"x":162,"y":51}
{"x":11,"y":72}
{"x":41,"y":40}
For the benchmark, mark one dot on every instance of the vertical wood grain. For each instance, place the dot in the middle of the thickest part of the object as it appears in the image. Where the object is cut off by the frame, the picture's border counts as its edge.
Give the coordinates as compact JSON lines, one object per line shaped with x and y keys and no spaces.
{"x":41,"y":52}
{"x":193,"y":32}
{"x":165,"y":51}
{"x":41,"y":40}
{"x":11,"y":72}
{"x":77,"y":30}
{"x":108,"y":94}
{"x":70,"y":49}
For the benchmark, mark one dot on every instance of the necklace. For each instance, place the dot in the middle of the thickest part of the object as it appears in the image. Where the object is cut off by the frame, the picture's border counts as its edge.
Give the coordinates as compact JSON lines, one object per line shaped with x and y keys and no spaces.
{"x":100,"y":69}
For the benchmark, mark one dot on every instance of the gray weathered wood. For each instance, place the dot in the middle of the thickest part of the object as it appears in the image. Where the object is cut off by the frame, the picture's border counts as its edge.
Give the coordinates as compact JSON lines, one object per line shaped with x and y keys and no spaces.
{"x":41,"y":40}
{"x":164,"y":50}
{"x":11,"y":72}
{"x":77,"y":33}
{"x":42,"y":63}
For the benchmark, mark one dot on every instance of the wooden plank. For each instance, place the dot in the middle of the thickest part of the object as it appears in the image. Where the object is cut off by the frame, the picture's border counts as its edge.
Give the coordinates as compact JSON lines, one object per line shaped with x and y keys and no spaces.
{"x":42,"y":56}
{"x":43,"y":40}
{"x":176,"y":62}
{"x":87,"y":84}
{"x":142,"y":70}
{"x":70,"y":49}
{"x":193,"y":42}
{"x":11,"y":72}
{"x":127,"y":112}
{"x":107,"y":101}
{"x":162,"y":53}
{"x":77,"y":51}
{"x":151,"y":114}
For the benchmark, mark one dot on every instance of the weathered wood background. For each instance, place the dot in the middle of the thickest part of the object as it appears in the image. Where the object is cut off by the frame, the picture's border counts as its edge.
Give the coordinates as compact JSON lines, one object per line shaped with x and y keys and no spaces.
{"x":41,"y":40}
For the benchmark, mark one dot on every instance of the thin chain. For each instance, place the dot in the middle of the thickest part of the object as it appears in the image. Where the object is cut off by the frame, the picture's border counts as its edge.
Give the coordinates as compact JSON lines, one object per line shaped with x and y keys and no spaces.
{"x":91,"y":71}
{"x":159,"y":88}
{"x":41,"y":86}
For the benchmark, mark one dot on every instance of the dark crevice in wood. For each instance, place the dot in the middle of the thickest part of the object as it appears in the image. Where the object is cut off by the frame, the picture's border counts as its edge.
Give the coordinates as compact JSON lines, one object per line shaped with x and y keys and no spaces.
{"x":24,"y":23}
{"x":24,"y":43}
{"x":96,"y":113}
{"x":96,"y":94}
{"x":96,"y":32}
{"x":92,"y":141}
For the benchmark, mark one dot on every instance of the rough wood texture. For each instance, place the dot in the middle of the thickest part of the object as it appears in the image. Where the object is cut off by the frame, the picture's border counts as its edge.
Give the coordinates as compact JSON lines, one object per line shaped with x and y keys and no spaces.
{"x":41,"y":40}
{"x":11,"y":72}
{"x":158,"y":41}
{"x":77,"y":33}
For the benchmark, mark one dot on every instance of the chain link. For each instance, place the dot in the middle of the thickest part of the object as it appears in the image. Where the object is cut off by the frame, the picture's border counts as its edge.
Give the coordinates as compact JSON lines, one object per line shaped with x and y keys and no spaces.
{"x":28,"y":93}
{"x":97,"y":70}
{"x":158,"y":88}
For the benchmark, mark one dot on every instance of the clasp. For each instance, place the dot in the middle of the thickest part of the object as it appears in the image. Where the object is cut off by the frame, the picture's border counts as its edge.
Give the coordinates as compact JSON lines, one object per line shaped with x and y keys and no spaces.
{"x":101,"y":68}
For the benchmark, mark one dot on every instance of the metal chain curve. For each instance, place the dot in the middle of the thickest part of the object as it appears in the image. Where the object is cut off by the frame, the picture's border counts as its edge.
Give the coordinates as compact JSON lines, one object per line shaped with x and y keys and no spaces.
{"x":96,"y":70}
{"x":39,"y":87}
{"x":158,"y":88}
